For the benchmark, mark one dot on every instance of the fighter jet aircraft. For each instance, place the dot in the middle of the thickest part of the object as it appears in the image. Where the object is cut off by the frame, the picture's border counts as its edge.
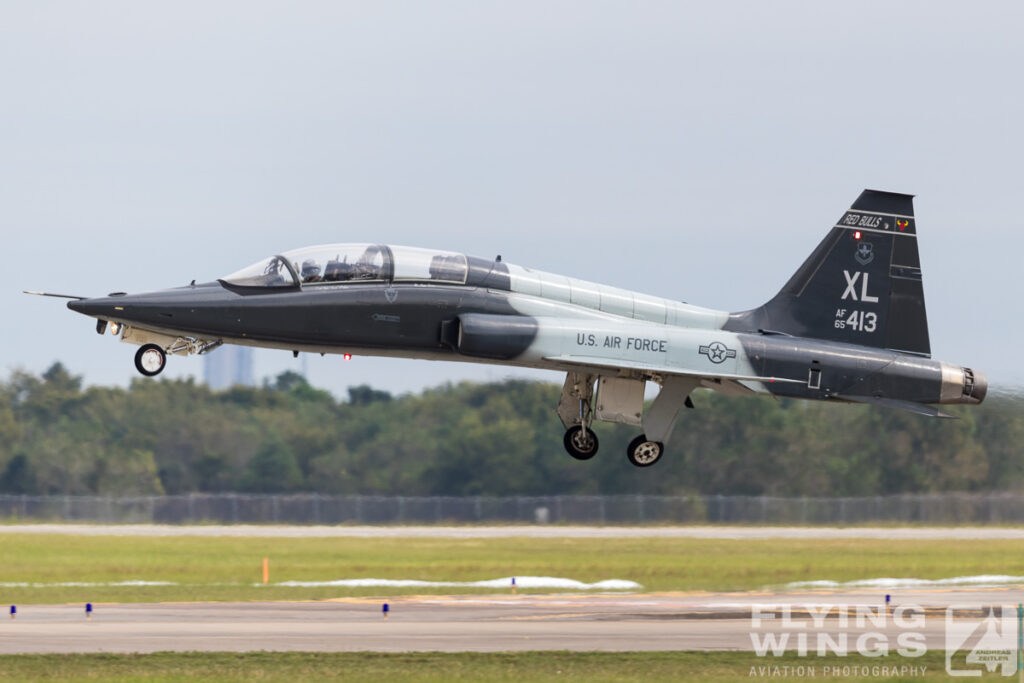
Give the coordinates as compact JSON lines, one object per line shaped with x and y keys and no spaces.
{"x":850,"y":325}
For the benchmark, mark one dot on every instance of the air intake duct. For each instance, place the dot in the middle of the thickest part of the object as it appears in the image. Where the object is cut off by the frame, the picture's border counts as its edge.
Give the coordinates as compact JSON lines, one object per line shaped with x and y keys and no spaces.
{"x":500,"y":337}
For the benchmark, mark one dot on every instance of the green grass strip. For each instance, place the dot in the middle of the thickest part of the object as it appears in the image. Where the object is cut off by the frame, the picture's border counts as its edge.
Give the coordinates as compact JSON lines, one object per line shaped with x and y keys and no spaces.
{"x":520,"y":666}
{"x":220,"y":569}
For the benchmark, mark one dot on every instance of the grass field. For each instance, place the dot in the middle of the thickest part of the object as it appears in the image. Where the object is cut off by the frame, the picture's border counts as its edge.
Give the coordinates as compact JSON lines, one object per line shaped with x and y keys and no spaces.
{"x":527,"y":666}
{"x":230,"y":568}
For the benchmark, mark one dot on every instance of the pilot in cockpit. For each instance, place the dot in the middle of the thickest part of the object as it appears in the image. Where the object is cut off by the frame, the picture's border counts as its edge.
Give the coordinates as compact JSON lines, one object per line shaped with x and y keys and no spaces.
{"x":367,"y":267}
{"x":310,"y":271}
{"x":338,"y":270}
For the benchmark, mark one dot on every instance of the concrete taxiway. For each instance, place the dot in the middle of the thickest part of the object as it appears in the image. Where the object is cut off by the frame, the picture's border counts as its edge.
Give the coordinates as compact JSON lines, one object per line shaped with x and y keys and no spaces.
{"x":605,"y":622}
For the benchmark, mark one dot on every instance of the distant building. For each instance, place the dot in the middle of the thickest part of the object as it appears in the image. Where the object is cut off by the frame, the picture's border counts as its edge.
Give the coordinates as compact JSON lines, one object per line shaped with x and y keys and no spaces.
{"x":227,"y":366}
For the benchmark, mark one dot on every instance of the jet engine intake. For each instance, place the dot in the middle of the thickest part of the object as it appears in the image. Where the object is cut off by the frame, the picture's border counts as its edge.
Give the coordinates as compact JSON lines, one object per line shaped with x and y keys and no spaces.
{"x":500,"y":337}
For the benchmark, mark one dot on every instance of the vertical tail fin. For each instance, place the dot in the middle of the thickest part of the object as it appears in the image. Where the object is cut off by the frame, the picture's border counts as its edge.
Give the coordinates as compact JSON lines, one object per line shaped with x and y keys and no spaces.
{"x":862,"y":285}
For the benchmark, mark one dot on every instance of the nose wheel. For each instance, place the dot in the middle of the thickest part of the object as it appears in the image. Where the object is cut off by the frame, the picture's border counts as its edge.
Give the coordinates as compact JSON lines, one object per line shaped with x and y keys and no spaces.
{"x":150,"y":360}
{"x":644,"y":453}
{"x":580,"y":442}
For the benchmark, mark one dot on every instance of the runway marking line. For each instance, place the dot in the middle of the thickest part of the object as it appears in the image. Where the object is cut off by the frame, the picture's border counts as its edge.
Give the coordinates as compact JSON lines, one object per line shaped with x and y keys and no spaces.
{"x":545,"y":617}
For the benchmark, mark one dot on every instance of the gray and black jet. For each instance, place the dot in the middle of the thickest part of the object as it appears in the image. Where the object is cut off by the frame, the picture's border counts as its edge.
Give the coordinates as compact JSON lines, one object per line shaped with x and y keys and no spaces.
{"x":849,"y":326}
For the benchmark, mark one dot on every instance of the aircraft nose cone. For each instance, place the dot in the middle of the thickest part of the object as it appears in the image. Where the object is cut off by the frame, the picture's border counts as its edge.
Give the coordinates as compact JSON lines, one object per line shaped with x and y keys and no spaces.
{"x":88,"y":306}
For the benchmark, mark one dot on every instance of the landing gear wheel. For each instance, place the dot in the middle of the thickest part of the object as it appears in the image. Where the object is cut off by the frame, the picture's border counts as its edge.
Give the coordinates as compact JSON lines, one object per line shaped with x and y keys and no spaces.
{"x":150,"y":360}
{"x":581,"y":443}
{"x":644,"y":453}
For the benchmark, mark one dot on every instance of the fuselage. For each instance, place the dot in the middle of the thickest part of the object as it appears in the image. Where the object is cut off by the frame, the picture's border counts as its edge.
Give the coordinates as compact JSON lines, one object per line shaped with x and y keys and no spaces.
{"x":457,"y":308}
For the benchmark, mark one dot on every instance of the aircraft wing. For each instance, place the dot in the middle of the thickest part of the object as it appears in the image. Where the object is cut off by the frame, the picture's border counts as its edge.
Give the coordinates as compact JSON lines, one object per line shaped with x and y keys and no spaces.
{"x":618,"y":364}
{"x":909,"y":406}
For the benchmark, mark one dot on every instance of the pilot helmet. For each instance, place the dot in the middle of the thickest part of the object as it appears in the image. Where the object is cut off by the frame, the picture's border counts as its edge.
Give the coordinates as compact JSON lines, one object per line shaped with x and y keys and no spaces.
{"x":310,"y":268}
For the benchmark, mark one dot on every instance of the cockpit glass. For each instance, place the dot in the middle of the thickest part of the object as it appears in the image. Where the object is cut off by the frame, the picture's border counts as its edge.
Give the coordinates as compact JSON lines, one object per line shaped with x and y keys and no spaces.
{"x":429,"y":265}
{"x":271,"y":272}
{"x":353,"y":263}
{"x":340,"y":263}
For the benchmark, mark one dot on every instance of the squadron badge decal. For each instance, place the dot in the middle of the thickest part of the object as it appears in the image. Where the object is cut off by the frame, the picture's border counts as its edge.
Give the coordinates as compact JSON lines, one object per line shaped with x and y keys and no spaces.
{"x":865,"y":253}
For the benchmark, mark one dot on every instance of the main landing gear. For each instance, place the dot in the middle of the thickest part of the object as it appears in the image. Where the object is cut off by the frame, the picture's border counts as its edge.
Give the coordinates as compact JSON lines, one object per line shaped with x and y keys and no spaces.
{"x":574,"y":409}
{"x":581,"y":442}
{"x":621,"y":400}
{"x":644,"y":453}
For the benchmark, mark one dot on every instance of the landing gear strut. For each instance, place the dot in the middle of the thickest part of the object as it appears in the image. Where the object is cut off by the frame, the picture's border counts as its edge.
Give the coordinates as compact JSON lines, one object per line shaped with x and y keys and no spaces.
{"x":576,"y":414}
{"x":150,"y":360}
{"x":644,"y":453}
{"x":581,"y":442}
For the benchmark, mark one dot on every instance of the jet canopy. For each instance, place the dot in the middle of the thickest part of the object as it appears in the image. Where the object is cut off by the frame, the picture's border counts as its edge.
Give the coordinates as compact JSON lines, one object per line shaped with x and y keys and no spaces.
{"x":352,"y":263}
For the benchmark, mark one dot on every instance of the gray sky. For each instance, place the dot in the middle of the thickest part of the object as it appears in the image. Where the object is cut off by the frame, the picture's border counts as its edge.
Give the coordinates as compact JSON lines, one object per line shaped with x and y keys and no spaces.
{"x":697,"y":151}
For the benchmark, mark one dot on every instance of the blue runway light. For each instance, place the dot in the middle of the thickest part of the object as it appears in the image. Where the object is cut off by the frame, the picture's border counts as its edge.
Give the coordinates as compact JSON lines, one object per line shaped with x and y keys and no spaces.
{"x":14,"y":611}
{"x":88,"y":610}
{"x":385,"y":609}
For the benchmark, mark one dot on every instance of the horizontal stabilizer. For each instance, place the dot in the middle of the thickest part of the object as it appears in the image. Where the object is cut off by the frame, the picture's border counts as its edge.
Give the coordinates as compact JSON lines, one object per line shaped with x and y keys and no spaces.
{"x":908,"y":406}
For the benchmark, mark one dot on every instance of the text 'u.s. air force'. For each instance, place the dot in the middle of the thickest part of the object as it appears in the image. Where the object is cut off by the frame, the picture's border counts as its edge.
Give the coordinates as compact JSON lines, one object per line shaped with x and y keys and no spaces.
{"x":628,"y":343}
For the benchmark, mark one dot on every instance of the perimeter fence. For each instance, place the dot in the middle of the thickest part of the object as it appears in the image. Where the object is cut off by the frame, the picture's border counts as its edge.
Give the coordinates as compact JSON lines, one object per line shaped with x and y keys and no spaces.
{"x":233,"y":508}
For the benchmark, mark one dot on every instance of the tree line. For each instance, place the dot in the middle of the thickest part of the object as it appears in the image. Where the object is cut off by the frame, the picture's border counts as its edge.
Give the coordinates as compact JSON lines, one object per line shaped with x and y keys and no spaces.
{"x":178,"y":436}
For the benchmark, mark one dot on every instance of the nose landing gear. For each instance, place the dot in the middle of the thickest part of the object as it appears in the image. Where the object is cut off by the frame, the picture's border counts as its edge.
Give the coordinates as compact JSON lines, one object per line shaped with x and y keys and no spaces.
{"x":154,"y":347}
{"x":150,"y":360}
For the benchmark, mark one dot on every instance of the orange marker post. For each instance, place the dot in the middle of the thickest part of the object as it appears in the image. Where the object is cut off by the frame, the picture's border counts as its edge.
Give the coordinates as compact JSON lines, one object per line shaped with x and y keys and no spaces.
{"x":266,"y":570}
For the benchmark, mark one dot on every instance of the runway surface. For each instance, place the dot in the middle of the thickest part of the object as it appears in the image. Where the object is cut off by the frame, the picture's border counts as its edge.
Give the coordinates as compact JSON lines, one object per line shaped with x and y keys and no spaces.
{"x":671,"y":621}
{"x":527,"y":531}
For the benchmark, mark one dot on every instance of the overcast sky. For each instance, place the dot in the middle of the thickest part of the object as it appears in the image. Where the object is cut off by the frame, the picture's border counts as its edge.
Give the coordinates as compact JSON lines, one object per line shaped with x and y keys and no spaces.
{"x":697,"y":151}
